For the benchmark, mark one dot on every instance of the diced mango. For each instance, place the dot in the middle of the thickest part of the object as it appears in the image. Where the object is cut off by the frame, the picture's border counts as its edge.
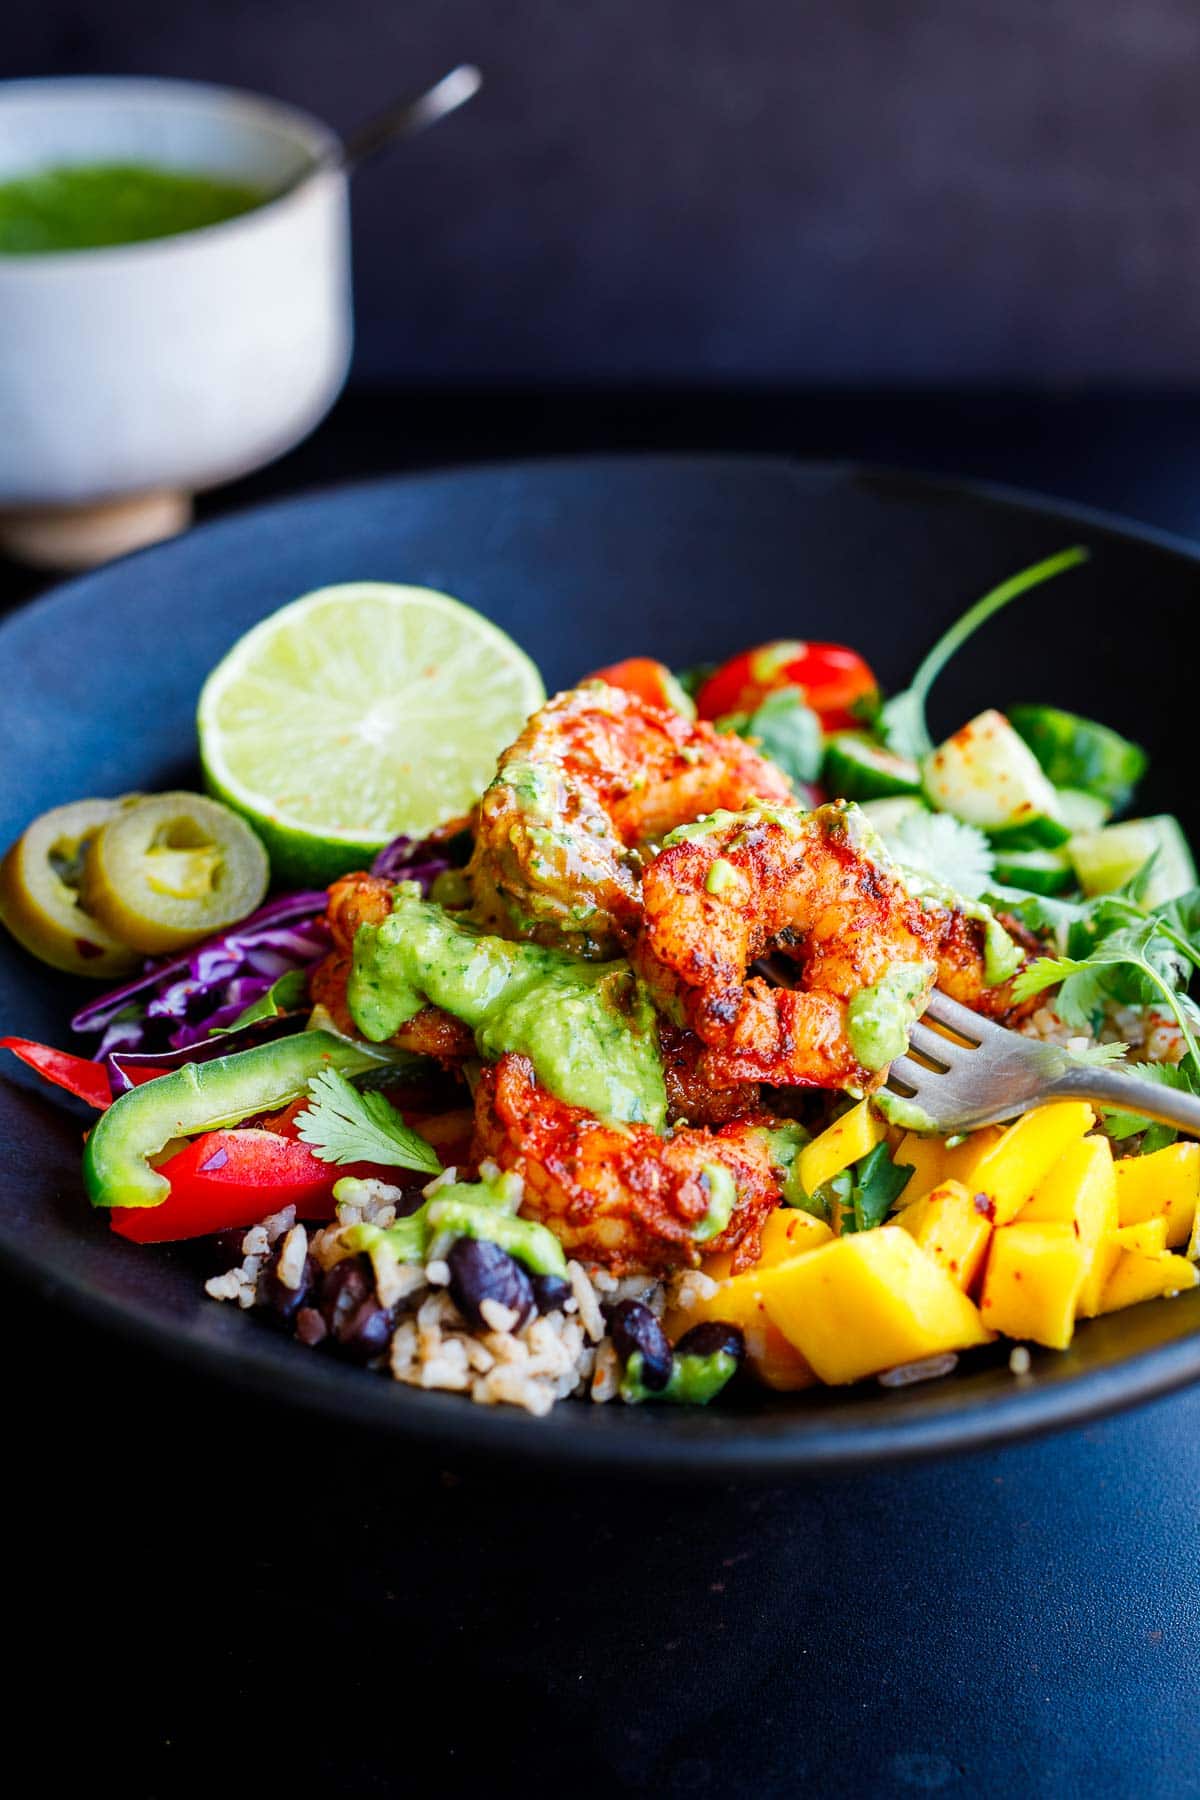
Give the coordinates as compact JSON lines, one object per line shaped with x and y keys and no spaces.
{"x":739,"y":1300}
{"x":1166,"y":1182}
{"x":948,"y":1225}
{"x":769,"y":1356}
{"x":1141,"y":1275}
{"x":1081,"y":1190}
{"x":1013,"y":1169}
{"x":932,"y":1162}
{"x":925,"y":1156}
{"x":846,"y":1141}
{"x":788,"y":1232}
{"x":1034,"y":1276}
{"x":1150,"y":1237}
{"x":773,"y":1361}
{"x":962,"y":1162}
{"x":869,"y":1302}
{"x":1147,"y":1239}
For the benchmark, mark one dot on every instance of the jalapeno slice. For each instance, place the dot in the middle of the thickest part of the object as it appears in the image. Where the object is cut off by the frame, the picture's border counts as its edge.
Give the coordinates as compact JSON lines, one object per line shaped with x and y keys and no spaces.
{"x":173,"y":869}
{"x":40,"y":899}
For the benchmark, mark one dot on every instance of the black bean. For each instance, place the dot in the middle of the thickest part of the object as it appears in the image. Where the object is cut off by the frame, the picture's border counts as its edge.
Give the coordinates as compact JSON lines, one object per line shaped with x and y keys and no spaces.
{"x":550,"y":1292}
{"x":709,"y":1338}
{"x":226,"y":1248}
{"x":310,"y":1326}
{"x":479,"y":1271}
{"x":635,"y":1328}
{"x":410,"y":1201}
{"x":279,"y":1301}
{"x":353,"y":1316}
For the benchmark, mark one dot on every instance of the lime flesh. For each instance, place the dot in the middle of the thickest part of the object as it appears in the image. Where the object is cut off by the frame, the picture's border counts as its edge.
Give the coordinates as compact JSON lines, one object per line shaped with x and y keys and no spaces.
{"x":357,"y":714}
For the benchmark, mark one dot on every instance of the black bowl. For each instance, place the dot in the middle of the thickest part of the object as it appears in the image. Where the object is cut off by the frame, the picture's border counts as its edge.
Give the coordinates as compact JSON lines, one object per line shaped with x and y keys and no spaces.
{"x":584,"y":562}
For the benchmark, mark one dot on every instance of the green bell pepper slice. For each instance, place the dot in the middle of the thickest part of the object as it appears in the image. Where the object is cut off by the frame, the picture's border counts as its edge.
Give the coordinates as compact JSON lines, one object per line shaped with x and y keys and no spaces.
{"x":202,"y":1097}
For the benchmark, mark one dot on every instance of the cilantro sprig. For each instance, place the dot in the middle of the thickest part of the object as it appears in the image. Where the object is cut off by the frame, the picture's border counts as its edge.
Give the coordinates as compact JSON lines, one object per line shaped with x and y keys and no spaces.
{"x":1121,"y":952}
{"x":902,"y":718}
{"x":340,"y":1125}
{"x":1146,"y":945}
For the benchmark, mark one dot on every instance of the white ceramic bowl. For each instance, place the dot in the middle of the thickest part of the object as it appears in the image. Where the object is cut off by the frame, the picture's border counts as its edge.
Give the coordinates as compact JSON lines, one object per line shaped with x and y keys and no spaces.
{"x":131,"y":377}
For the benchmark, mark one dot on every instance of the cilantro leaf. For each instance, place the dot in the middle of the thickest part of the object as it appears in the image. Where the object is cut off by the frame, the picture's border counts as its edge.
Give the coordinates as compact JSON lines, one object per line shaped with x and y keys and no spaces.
{"x":1120,"y":952}
{"x":1182,"y":916}
{"x":1121,"y":1125}
{"x":877,"y":1184}
{"x":1099,"y":1056}
{"x":343,"y":1126}
{"x":954,"y":853}
{"x":902,"y":718}
{"x":692,"y":679}
{"x":1039,"y":913}
{"x":785,"y":730}
{"x":1087,"y":985}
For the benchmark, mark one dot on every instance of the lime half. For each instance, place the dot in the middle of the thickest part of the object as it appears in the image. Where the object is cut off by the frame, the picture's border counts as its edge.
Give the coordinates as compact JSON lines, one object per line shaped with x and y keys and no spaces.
{"x":358,"y":713}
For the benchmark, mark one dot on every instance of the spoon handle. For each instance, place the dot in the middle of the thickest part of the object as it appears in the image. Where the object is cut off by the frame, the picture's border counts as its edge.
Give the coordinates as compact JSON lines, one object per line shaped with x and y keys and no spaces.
{"x":406,"y":117}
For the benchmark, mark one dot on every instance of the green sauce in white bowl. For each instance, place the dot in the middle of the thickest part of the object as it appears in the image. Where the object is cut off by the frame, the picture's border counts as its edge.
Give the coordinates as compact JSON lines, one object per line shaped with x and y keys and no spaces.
{"x":91,"y":206}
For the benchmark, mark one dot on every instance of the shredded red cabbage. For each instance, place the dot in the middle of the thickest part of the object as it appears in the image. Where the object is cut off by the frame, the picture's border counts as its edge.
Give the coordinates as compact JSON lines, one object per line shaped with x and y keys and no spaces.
{"x":413,"y":859}
{"x":167,"y":1014}
{"x":178,"y":1001}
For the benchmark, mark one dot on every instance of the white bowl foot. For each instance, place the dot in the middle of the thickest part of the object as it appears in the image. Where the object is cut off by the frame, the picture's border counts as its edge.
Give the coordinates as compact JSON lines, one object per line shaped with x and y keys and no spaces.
{"x":79,"y":537}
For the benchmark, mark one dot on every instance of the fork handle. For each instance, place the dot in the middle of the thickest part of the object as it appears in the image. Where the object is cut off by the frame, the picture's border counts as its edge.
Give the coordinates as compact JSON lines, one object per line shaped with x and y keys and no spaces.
{"x":1128,"y":1092}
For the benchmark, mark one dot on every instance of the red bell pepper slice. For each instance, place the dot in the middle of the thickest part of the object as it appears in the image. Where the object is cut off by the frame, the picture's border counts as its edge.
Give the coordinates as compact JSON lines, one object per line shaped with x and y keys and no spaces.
{"x":834,"y":681}
{"x":232,"y":1178}
{"x":86,"y":1080}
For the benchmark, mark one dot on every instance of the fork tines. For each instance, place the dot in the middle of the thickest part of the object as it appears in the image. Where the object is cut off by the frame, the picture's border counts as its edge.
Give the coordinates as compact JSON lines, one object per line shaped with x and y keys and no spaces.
{"x":944,"y":1011}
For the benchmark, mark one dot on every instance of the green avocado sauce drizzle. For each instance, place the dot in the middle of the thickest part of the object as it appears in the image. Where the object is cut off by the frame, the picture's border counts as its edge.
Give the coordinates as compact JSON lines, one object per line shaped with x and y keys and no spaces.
{"x":589,"y":1028}
{"x":722,"y":1198}
{"x":694,"y":1380}
{"x":484,"y":1209}
{"x":878,"y":1018}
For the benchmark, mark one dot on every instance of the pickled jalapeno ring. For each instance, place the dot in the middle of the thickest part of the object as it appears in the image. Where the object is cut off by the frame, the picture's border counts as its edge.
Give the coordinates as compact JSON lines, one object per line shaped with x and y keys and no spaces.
{"x":173,"y":869}
{"x":40,"y":899}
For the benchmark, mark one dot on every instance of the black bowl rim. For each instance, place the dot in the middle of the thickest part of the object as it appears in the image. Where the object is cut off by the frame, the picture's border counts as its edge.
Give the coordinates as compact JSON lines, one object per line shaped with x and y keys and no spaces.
{"x":679,"y":1447}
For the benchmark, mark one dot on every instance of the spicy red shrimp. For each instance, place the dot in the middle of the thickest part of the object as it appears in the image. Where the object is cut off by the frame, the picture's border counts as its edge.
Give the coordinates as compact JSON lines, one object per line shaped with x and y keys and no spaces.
{"x":813,"y":887}
{"x":595,"y":775}
{"x":357,"y":900}
{"x":620,"y":1195}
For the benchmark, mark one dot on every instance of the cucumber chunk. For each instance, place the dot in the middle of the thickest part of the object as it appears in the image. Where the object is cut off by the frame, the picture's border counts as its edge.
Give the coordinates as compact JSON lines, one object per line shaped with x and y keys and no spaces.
{"x":1036,"y":871}
{"x":1082,"y":812}
{"x":1105,"y":860}
{"x":988,"y":776}
{"x":856,"y":769}
{"x":1078,"y":753}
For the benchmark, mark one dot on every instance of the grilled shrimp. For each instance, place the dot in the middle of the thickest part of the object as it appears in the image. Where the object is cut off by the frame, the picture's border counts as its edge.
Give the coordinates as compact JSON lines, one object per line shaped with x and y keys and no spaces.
{"x":803,"y":885}
{"x":691,"y":1100}
{"x":594,"y":775}
{"x":622,"y":1196}
{"x":357,"y":900}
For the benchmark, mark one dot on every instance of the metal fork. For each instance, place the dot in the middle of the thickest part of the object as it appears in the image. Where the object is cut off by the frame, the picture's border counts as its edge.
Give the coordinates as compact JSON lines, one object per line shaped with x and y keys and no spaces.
{"x":997,"y":1074}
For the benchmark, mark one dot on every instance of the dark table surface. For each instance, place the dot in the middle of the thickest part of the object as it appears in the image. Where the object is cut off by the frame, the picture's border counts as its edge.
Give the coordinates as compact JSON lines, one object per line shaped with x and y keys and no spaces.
{"x":208,"y":1593}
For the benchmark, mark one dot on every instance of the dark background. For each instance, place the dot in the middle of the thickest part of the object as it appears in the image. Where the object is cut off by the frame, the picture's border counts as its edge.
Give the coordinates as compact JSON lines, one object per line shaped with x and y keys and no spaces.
{"x":954,"y":236}
{"x":799,"y":191}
